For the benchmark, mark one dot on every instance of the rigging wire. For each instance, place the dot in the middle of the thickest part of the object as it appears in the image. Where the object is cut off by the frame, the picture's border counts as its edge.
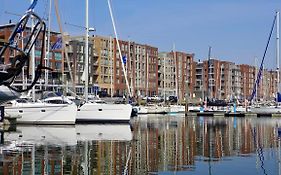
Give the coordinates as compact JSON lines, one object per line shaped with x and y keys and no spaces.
{"x":256,"y":85}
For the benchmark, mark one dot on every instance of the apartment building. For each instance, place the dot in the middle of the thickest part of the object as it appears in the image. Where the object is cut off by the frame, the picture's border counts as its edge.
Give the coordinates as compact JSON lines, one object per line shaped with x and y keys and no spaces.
{"x":140,"y":63}
{"x":103,"y":48}
{"x":166,"y":74}
{"x":248,"y":75}
{"x":209,"y":79}
{"x":217,"y":79}
{"x":76,"y":54}
{"x":176,"y":74}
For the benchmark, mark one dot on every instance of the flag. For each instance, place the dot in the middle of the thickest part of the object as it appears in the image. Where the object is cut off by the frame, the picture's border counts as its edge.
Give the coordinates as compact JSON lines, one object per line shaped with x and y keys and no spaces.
{"x":57,"y":45}
{"x":124,"y":59}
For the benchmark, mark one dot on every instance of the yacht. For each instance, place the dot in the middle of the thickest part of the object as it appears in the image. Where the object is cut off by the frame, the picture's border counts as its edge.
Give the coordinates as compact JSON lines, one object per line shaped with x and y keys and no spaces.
{"x":100,"y":111}
{"x":51,"y":110}
{"x":264,"y":109}
{"x":153,"y":109}
{"x":176,"y":109}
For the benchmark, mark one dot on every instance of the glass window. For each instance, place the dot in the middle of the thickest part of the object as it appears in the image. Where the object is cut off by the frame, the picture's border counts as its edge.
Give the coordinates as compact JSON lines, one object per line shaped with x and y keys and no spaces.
{"x":37,"y":53}
{"x":57,"y":56}
{"x":58,"y":65}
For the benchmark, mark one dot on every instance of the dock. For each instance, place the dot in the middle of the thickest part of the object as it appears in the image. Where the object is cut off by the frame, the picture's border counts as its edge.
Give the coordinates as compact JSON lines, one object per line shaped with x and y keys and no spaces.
{"x":231,"y":114}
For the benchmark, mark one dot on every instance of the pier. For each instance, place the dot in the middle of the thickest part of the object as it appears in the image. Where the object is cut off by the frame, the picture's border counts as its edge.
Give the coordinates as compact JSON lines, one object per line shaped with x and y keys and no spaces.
{"x":231,"y":114}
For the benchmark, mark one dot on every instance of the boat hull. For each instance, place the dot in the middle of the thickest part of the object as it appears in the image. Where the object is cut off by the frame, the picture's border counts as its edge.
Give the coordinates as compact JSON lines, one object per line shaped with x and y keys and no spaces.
{"x":154,"y":109}
{"x":95,"y":112}
{"x":176,"y":109}
{"x":266,"y":110}
{"x":41,"y":113}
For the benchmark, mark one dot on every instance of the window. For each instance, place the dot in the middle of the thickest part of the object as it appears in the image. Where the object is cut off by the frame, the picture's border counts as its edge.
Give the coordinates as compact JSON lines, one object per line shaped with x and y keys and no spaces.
{"x":37,"y":53}
{"x":58,"y":65}
{"x":58,"y":56}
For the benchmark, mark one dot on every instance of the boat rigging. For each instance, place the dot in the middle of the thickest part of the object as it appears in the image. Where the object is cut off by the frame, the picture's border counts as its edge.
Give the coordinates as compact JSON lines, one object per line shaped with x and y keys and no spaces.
{"x":8,"y":73}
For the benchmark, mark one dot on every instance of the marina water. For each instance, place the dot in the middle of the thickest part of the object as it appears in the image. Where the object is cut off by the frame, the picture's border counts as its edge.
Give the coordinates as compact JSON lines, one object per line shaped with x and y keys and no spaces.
{"x":153,"y":144}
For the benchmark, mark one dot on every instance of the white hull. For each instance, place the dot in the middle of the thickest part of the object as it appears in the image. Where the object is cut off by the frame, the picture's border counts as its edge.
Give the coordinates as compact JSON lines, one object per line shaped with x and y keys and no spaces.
{"x":176,"y":109}
{"x":194,"y":108}
{"x":153,"y":109}
{"x":96,"y":112}
{"x":142,"y":110}
{"x":43,"y":113}
{"x":266,"y":109}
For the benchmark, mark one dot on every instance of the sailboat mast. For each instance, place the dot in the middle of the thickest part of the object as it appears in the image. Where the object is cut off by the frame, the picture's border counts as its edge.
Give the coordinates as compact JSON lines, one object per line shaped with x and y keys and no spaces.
{"x":164,"y":79}
{"x":119,"y":49}
{"x":33,"y":59}
{"x":111,"y":66}
{"x":209,"y":90}
{"x":277,"y":51}
{"x":256,"y":72}
{"x":87,"y":52}
{"x":176,"y":68}
{"x":48,"y":46}
{"x":147,"y":77}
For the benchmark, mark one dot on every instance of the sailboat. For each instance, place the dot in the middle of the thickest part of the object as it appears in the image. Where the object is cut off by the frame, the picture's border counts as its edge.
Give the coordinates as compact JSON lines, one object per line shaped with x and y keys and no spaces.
{"x":52,"y":110}
{"x":273,"y":108}
{"x":97,"y":111}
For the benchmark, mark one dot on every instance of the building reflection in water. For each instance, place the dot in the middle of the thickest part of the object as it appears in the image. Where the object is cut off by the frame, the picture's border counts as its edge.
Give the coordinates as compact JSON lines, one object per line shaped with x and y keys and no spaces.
{"x":155,"y":144}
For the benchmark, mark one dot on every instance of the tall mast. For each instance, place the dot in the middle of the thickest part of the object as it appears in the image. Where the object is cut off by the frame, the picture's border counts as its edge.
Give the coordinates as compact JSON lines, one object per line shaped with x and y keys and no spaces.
{"x":208,"y":82}
{"x":164,"y":79}
{"x":111,"y":66}
{"x":64,"y":52}
{"x":131,"y":68}
{"x":256,"y":72}
{"x":48,"y":45}
{"x":176,"y":68}
{"x":119,"y":48}
{"x":33,"y":59}
{"x":220,"y":81}
{"x":87,"y":53}
{"x":277,"y":51}
{"x":147,"y":77}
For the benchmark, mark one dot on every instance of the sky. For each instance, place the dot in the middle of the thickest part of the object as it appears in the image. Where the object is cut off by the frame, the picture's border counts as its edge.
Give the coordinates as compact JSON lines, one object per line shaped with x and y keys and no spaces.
{"x":237,"y":30}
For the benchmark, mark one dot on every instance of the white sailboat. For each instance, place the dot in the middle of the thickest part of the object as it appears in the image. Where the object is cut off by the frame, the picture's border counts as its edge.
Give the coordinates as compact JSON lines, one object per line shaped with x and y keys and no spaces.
{"x":100,"y":112}
{"x":52,"y":110}
{"x":103,"y":112}
{"x":271,"y":109}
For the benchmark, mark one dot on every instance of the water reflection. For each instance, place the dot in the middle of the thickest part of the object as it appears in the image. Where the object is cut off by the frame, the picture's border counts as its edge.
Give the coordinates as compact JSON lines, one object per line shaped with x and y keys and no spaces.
{"x":151,"y":145}
{"x":80,"y":149}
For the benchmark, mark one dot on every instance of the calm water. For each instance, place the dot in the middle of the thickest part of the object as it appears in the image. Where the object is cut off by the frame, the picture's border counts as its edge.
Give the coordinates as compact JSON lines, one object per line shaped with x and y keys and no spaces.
{"x":151,"y":145}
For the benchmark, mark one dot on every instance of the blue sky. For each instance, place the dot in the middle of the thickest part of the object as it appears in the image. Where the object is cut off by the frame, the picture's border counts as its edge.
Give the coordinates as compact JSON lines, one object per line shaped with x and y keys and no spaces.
{"x":237,"y":30}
